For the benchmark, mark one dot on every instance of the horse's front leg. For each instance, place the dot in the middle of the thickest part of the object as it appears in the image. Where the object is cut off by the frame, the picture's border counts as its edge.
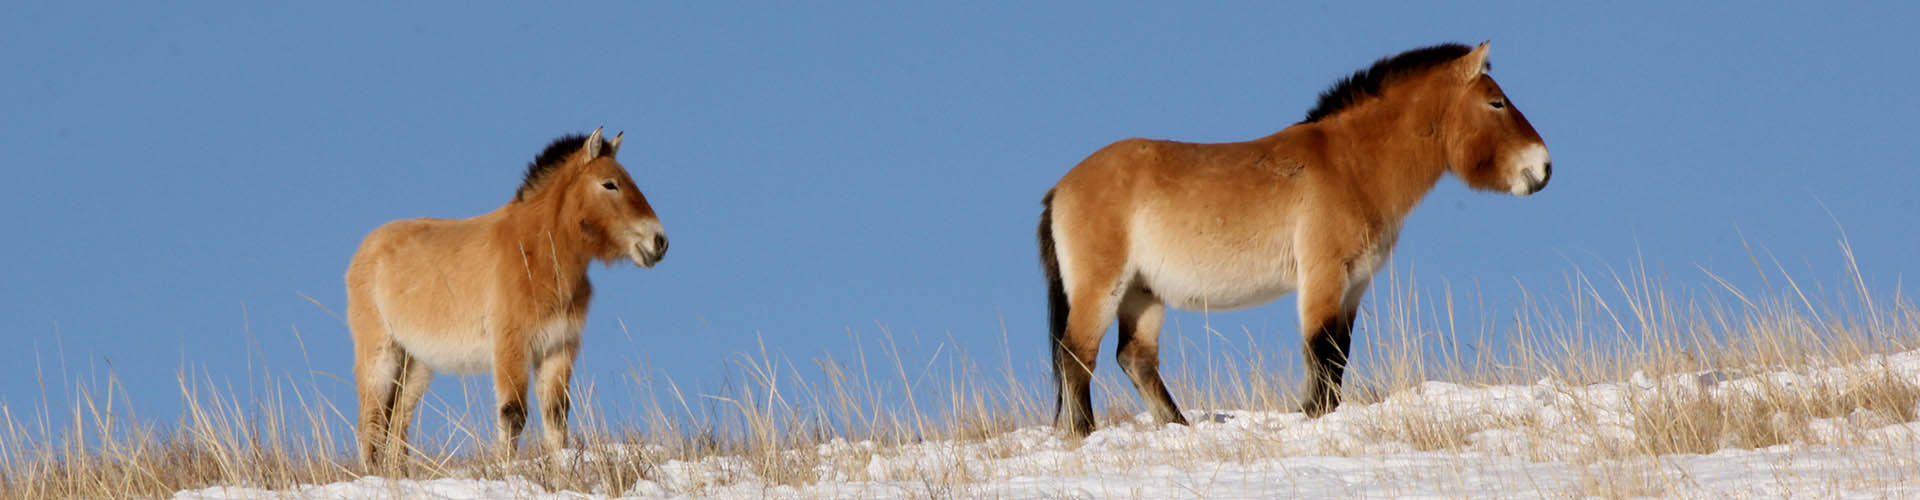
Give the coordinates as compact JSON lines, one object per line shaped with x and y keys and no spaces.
{"x":1326,"y":323}
{"x":510,"y":387}
{"x":554,"y":369}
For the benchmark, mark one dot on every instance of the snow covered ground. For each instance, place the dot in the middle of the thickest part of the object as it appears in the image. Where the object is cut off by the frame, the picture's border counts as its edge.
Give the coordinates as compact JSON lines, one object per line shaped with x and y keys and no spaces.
{"x":1436,"y":440}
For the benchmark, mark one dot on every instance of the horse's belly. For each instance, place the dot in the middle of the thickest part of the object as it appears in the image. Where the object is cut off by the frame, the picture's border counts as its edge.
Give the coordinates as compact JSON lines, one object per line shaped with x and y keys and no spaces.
{"x":1199,"y":290}
{"x":1218,"y":280}
{"x":469,"y":348}
{"x":1201,"y":260}
{"x":448,"y":352}
{"x":445,"y":333}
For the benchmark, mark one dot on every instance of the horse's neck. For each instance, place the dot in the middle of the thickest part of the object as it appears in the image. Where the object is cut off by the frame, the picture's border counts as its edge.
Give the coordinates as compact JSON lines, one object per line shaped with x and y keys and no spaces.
{"x":1395,"y":159}
{"x":550,"y":257}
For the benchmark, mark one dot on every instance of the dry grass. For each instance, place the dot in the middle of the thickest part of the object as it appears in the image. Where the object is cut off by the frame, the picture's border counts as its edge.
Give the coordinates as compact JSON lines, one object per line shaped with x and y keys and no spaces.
{"x":786,"y":423}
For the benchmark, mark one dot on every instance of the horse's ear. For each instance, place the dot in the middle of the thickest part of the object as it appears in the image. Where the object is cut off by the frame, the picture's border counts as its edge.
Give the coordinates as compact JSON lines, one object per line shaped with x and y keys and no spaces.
{"x":1474,"y":63}
{"x":613,"y":145}
{"x":591,"y":149}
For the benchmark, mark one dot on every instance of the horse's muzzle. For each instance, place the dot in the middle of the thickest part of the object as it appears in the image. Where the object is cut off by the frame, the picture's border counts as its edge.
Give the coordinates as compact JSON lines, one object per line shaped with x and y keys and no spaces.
{"x":1535,"y":183}
{"x":1531,"y":170}
{"x":645,"y":255}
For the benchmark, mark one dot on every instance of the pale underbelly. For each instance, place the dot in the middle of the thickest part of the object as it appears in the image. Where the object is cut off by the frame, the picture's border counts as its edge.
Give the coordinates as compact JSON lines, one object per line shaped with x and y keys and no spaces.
{"x":1218,"y":285}
{"x":1194,"y":264}
{"x":446,"y":352}
{"x":1222,"y":295}
{"x":1201,"y":271}
{"x":469,"y":349}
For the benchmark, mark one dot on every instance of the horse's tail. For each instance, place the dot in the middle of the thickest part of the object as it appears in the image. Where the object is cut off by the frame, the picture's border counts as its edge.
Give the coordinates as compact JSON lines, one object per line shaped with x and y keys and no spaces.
{"x":1057,"y":306}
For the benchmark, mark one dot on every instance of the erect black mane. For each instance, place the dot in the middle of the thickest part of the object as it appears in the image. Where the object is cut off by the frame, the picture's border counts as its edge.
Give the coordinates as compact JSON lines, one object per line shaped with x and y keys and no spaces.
{"x":1368,"y":82}
{"x":550,"y":160}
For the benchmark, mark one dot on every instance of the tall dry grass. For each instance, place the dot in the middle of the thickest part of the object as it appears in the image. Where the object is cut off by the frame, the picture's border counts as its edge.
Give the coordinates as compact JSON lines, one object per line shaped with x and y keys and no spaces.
{"x":779,"y":421}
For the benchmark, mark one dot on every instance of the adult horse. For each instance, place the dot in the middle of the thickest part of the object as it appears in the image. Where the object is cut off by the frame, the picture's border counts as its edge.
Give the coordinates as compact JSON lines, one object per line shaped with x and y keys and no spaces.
{"x":1315,"y":207}
{"x":499,"y":292}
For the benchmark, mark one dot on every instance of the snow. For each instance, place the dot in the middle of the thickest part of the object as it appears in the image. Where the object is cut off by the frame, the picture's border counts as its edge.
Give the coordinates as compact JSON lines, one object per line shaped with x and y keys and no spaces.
{"x":1436,"y":440}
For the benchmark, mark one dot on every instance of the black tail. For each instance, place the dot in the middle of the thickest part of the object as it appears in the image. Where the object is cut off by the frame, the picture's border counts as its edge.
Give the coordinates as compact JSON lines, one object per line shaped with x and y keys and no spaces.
{"x":1056,"y":297}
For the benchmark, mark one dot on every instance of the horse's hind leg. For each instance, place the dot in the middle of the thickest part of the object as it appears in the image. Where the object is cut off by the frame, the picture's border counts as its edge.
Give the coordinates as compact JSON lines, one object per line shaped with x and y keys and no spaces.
{"x":1139,"y":353}
{"x":1074,"y":357}
{"x":414,"y":379}
{"x":1094,"y":299}
{"x":376,"y":368}
{"x":1083,"y":247}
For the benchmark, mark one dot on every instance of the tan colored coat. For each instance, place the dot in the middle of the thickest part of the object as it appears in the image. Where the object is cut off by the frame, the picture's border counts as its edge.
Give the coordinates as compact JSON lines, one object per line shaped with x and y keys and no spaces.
{"x":1316,"y":208}
{"x":499,"y":293}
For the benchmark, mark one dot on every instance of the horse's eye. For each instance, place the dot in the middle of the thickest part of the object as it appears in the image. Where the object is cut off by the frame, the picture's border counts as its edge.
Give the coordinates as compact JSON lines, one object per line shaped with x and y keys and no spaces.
{"x":1497,"y":103}
{"x":610,"y":185}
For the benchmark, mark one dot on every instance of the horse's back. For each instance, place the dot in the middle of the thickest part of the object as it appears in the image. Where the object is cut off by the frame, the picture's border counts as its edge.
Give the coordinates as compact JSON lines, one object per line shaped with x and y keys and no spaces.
{"x":413,"y":242}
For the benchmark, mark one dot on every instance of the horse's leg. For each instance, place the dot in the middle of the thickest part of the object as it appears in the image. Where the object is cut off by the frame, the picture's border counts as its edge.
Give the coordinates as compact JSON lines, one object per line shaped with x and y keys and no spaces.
{"x":554,"y":368}
{"x":376,"y":371}
{"x":414,"y":379}
{"x":1350,"y":304}
{"x":1139,"y":353}
{"x":510,"y":387}
{"x":1094,"y":300}
{"x":1328,"y":331}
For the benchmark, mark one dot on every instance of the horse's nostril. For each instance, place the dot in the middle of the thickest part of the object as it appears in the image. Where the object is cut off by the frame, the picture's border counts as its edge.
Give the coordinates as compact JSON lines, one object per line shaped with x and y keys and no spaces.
{"x":1547,"y":175}
{"x":660,"y":244}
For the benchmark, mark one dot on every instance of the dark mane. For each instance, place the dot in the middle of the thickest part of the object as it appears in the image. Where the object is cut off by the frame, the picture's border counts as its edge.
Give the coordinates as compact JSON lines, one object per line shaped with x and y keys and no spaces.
{"x":1368,"y":82}
{"x":550,"y":160}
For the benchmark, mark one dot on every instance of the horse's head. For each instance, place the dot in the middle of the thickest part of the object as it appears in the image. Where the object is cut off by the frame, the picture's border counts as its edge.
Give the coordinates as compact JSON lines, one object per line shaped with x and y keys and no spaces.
{"x":603,"y":201}
{"x":1489,"y":144}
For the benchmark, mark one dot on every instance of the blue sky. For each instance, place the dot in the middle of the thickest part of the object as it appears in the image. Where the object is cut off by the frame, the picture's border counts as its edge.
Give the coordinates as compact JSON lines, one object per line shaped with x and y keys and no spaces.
{"x":183,"y":176}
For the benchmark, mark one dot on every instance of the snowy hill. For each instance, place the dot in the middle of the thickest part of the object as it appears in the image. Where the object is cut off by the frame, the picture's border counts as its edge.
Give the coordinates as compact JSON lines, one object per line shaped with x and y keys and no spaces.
{"x":1840,"y":431}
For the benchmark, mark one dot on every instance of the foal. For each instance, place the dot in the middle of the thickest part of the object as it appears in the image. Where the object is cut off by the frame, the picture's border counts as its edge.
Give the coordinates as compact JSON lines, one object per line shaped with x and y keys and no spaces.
{"x":1316,"y":207}
{"x":497,"y":292}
